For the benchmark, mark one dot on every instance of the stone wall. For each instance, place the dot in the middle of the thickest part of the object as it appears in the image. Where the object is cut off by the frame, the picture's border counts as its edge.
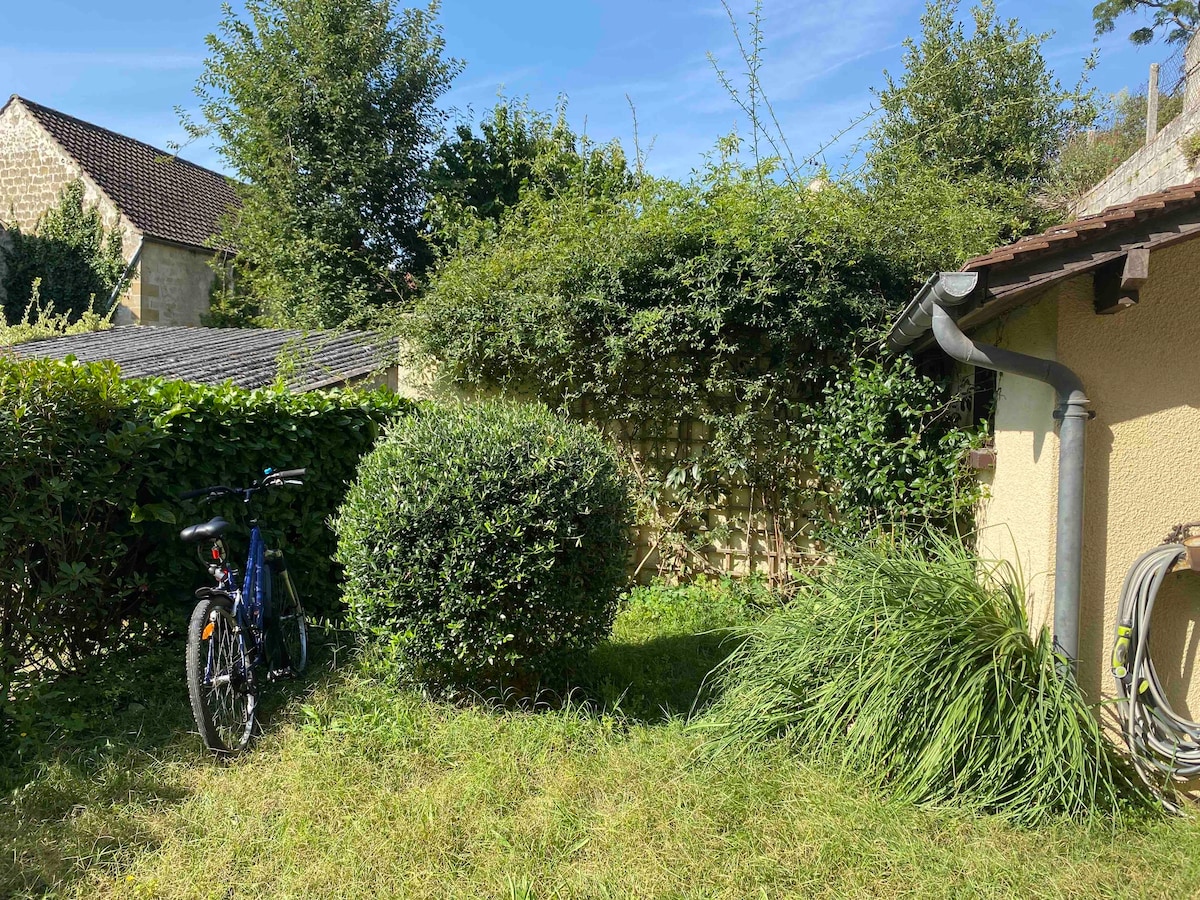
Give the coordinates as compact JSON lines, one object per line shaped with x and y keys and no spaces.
{"x":33,"y":172}
{"x":5,"y":244}
{"x":1160,"y":164}
{"x":174,"y":285}
{"x":1163,"y":162}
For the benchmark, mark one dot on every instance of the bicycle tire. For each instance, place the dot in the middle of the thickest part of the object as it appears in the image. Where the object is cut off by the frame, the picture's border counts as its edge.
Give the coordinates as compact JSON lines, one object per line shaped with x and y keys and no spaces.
{"x":223,"y":701}
{"x":293,"y":626}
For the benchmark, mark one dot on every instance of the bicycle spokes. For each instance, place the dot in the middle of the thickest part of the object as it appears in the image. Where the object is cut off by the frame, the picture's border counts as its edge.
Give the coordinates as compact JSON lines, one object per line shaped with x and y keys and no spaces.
{"x":227,"y":680}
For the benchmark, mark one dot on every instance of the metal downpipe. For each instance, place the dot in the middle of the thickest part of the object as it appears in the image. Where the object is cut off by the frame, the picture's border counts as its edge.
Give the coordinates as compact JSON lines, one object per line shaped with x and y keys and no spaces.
{"x":1073,"y":411}
{"x":123,"y":280}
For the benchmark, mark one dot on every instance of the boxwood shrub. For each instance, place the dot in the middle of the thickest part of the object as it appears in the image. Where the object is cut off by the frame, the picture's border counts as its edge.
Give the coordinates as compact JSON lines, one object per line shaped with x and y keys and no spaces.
{"x":483,"y":543}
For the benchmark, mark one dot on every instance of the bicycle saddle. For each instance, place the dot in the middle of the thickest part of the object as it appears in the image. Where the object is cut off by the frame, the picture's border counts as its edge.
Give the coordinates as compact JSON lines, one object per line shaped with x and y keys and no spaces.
{"x":204,"y":531}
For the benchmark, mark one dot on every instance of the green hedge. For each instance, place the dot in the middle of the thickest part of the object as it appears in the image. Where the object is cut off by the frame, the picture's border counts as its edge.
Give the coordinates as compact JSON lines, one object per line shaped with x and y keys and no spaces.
{"x":90,"y":471}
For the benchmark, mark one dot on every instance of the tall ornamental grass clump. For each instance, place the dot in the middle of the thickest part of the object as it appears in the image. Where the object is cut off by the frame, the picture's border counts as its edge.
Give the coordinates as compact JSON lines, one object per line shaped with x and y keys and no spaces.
{"x":483,"y":544}
{"x":917,"y":669}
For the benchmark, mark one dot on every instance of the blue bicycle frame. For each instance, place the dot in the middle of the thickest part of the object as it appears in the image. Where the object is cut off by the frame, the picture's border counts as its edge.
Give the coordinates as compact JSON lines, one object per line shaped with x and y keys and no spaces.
{"x":251,"y":602}
{"x":241,"y":611}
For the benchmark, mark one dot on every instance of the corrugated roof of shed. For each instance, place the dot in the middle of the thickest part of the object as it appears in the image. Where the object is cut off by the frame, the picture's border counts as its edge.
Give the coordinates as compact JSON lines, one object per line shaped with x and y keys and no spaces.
{"x":248,"y":357}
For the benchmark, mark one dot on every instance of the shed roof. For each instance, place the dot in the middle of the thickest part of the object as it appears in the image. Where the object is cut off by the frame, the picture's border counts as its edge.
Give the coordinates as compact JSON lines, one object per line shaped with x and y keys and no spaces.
{"x":162,"y":195}
{"x":1019,"y":272}
{"x":248,"y":357}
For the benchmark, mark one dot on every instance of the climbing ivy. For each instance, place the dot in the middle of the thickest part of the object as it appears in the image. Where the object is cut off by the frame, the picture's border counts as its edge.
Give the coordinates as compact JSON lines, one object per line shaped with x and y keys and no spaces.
{"x":74,"y":258}
{"x":731,"y":307}
{"x":889,"y":448}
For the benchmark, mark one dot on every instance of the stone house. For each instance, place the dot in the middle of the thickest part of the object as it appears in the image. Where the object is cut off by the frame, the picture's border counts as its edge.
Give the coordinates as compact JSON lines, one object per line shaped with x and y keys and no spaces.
{"x":1107,"y":300}
{"x":166,"y":208}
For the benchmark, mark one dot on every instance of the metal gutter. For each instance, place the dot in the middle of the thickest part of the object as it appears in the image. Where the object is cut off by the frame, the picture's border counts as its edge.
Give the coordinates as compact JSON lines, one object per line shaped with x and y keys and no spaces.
{"x":930,"y":311}
{"x":946,"y":288}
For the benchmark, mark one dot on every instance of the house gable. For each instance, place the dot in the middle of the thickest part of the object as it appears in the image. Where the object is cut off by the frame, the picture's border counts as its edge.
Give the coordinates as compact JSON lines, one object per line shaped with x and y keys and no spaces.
{"x":34,"y":169}
{"x":167,"y":210}
{"x":165,"y":197}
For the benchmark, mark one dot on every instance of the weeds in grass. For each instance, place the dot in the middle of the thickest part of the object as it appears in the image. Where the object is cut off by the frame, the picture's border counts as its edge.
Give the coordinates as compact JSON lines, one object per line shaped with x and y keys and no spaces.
{"x":916,"y":668}
{"x":41,"y":321}
{"x":360,"y":791}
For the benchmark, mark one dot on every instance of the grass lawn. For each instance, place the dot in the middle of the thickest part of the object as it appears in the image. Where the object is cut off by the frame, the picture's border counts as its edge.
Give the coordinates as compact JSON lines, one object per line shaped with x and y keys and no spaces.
{"x":357,"y":791}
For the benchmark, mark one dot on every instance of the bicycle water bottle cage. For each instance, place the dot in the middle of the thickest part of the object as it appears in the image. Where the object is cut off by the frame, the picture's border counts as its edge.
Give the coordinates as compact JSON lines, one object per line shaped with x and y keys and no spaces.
{"x":204,"y":531}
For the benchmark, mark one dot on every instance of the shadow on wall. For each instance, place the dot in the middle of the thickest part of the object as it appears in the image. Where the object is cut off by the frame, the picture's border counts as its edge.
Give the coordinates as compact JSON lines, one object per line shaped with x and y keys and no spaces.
{"x":1143,"y":475}
{"x":1175,"y":638}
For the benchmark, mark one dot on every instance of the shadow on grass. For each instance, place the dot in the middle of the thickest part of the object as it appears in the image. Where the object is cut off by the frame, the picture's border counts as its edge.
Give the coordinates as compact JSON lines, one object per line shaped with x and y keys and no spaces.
{"x":81,"y":754}
{"x":88,"y":757}
{"x":657,"y":679}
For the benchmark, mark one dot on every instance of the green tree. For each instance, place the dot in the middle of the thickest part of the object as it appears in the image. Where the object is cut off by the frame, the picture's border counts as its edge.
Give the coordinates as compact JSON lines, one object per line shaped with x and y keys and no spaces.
{"x":326,"y":110}
{"x":478,"y":177}
{"x":1177,"y":20}
{"x":984,"y":111}
{"x":75,"y":261}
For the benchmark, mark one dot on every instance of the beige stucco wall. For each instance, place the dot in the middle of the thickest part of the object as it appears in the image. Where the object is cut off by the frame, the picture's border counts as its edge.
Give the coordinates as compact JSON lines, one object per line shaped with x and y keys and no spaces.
{"x":1016,"y":522}
{"x":1141,"y":369}
{"x":174,"y":285}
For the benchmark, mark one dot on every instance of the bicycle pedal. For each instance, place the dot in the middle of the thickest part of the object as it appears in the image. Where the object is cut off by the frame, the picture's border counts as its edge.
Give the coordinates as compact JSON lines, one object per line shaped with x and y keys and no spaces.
{"x":279,"y":674}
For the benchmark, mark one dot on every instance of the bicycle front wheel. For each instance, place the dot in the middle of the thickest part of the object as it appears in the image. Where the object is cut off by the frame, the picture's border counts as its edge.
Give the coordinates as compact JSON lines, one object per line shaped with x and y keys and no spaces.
{"x":220,"y":679}
{"x":293,"y":627}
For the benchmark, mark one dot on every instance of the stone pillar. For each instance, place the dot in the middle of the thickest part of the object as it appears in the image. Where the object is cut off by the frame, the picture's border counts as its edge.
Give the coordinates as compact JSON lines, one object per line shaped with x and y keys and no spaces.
{"x":1191,"y":68}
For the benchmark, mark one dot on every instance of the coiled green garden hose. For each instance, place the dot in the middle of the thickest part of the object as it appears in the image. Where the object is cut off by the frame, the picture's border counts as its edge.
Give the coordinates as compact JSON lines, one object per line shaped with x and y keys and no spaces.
{"x":1163,"y":742}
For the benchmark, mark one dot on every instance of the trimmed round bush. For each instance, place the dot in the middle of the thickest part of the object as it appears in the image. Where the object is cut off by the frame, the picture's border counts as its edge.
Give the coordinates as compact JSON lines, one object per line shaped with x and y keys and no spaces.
{"x":483,"y":544}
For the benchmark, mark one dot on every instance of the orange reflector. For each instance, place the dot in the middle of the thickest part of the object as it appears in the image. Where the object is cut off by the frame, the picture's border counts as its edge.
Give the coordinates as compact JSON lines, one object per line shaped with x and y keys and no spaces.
{"x":207,"y":632}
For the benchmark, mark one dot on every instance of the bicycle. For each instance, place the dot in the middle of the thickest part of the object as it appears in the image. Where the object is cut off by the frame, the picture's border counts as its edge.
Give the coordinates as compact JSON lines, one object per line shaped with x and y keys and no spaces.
{"x":236,"y":630}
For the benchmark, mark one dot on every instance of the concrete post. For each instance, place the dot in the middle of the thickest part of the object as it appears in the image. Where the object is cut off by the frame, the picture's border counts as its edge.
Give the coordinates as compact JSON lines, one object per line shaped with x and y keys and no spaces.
{"x":1152,"y":105}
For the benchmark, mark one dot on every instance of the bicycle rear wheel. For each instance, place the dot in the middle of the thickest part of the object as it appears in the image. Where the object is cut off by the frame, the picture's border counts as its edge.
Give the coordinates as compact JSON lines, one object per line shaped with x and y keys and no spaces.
{"x":293,"y":627}
{"x":220,"y":680}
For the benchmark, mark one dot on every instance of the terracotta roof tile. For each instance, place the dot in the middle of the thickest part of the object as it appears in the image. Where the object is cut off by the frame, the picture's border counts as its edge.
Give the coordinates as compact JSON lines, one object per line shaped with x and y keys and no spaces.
{"x":1019,"y":272}
{"x":162,"y":195}
{"x":1090,"y":228}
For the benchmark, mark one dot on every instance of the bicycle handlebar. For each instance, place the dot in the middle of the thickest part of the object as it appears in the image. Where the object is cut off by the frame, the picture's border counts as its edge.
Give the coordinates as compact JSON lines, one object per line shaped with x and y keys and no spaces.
{"x":200,"y":492}
{"x":272,"y":479}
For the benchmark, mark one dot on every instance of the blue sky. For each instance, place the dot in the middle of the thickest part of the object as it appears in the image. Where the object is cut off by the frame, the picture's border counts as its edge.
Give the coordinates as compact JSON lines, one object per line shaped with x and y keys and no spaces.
{"x":127,"y":65}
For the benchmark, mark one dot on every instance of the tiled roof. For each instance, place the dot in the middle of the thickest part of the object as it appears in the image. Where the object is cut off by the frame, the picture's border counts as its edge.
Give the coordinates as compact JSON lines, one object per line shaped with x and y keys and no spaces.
{"x":1016,"y":274}
{"x":163,"y":195}
{"x":249,"y":357}
{"x":1108,"y":223}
